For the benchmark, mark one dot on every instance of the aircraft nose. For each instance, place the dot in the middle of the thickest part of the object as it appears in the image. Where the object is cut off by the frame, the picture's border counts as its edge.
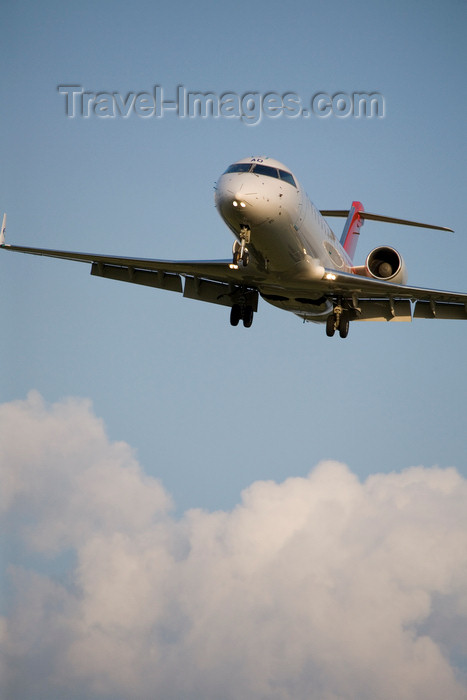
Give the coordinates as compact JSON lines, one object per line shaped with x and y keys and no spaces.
{"x":246,"y":201}
{"x":240,"y":201}
{"x":239,"y":206}
{"x":231,"y":201}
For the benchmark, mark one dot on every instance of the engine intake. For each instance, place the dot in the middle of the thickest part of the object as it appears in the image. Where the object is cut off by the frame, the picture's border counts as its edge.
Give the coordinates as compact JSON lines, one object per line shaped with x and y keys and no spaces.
{"x":385,"y":263}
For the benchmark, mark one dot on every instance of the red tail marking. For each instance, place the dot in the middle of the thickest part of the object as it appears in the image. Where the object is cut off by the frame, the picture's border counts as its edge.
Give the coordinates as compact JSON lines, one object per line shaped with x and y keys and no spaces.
{"x":351,"y":230}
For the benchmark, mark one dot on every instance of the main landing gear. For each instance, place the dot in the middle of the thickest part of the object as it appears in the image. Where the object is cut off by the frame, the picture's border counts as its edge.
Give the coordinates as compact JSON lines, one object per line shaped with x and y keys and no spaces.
{"x":338,"y":320}
{"x":244,"y":313}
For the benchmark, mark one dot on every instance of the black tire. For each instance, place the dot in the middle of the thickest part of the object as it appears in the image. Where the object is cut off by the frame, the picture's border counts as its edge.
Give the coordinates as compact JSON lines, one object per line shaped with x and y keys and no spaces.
{"x":330,"y":325}
{"x":344,"y":324}
{"x":248,"y":317}
{"x":235,"y":314}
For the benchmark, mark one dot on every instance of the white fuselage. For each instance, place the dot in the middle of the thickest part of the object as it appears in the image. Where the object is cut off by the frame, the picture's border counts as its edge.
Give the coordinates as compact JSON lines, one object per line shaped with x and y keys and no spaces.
{"x":287,"y":236}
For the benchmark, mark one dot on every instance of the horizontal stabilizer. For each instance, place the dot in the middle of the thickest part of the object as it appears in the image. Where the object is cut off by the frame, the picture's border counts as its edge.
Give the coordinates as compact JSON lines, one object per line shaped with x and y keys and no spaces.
{"x":343,"y":213}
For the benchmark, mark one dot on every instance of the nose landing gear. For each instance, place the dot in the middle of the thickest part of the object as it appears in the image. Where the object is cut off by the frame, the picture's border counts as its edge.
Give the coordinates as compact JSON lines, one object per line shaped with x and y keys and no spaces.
{"x":239,"y":250}
{"x":240,"y":255}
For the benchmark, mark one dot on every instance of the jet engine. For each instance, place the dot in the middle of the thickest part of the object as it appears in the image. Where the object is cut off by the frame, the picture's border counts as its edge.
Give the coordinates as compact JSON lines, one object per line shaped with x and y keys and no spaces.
{"x":385,"y":263}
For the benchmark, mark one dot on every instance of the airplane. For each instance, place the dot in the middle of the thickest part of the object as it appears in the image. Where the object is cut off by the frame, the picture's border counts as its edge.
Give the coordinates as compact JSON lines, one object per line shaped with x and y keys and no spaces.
{"x":286,"y":253}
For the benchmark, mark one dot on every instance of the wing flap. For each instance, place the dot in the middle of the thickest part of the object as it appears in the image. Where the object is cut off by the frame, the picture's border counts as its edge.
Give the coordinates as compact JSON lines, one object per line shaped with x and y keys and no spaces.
{"x":205,"y":290}
{"x":383,"y":310}
{"x":158,"y":279}
{"x":426,"y":309}
{"x":219,"y":293}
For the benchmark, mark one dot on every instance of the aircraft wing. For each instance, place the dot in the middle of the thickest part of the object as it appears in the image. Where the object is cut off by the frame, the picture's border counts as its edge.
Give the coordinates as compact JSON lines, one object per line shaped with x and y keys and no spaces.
{"x":207,"y":280}
{"x":216,"y":281}
{"x":374,"y":299}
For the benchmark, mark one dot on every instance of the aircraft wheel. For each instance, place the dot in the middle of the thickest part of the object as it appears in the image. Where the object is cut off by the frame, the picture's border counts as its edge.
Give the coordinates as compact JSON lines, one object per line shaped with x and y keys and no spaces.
{"x":248,"y":317}
{"x":330,"y":325}
{"x":344,"y":326}
{"x":245,"y":258}
{"x":235,"y":314}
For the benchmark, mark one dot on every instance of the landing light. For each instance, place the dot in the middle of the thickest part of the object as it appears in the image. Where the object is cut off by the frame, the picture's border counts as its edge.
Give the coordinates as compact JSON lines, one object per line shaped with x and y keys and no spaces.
{"x":235,"y":203}
{"x":329,"y":276}
{"x":233,"y":266}
{"x":242,"y":204}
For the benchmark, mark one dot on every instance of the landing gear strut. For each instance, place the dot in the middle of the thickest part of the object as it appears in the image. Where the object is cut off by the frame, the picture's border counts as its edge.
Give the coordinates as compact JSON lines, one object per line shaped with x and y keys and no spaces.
{"x":244,"y":313}
{"x":338,"y":320}
{"x":239,"y":250}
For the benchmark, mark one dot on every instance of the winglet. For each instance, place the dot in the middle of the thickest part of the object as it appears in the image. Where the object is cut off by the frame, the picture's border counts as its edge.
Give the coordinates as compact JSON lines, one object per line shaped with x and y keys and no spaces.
{"x":2,"y":231}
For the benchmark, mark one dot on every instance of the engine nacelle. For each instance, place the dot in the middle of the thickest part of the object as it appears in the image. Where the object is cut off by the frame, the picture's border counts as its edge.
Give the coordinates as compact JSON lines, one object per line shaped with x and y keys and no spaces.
{"x":385,"y":263}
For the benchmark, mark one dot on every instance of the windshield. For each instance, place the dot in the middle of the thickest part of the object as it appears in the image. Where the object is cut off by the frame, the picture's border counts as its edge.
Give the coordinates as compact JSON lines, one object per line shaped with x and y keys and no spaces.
{"x":259,"y":169}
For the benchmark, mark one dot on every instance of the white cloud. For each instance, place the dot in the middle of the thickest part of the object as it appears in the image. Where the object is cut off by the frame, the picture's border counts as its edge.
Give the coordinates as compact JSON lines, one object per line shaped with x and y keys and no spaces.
{"x":316,"y":588}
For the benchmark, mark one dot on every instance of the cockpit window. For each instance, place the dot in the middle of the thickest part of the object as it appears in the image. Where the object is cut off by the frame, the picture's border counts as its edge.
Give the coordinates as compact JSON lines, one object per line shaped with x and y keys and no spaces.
{"x":265,"y":170}
{"x":259,"y":169}
{"x":238,"y":168}
{"x":287,"y":177}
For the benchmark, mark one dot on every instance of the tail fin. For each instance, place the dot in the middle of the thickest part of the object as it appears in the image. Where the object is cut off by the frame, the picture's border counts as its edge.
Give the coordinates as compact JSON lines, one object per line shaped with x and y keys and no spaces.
{"x":349,"y":238}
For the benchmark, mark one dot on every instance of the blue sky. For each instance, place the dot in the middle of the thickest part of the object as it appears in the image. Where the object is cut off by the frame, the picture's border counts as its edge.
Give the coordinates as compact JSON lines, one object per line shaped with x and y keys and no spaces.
{"x":206,"y":408}
{"x":221,"y":407}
